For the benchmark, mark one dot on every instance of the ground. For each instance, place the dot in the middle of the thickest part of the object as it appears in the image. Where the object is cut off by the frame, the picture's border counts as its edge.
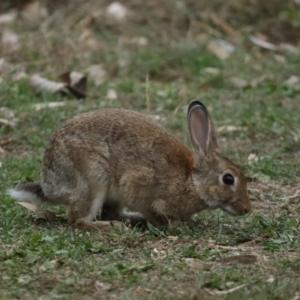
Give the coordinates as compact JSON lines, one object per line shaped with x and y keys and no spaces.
{"x":156,"y":60}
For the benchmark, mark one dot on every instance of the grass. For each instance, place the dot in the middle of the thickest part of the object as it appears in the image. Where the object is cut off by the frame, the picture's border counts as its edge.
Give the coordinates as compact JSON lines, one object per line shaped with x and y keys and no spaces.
{"x":217,"y":257}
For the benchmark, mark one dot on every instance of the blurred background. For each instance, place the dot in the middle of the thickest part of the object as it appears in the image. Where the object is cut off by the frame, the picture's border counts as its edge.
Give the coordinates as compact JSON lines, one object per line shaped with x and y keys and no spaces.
{"x":163,"y":40}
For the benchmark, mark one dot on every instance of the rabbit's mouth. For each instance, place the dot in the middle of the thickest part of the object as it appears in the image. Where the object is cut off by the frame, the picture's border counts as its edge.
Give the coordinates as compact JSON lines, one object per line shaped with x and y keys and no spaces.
{"x":229,"y":210}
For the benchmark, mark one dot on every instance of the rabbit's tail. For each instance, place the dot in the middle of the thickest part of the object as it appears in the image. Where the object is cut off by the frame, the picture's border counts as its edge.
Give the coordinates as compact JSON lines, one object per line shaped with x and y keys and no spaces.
{"x":29,"y":192}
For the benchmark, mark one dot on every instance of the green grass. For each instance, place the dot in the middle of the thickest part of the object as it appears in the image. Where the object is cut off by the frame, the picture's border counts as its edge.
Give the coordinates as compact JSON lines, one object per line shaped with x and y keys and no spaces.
{"x":205,"y":260}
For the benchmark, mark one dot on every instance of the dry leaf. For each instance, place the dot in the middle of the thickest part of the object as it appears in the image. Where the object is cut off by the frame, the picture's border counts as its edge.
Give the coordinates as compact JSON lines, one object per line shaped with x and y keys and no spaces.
{"x":96,"y":73}
{"x":138,"y":41}
{"x":10,"y":40}
{"x":8,"y":18}
{"x":102,"y":287}
{"x":111,"y":94}
{"x":289,"y":48}
{"x":7,"y":113}
{"x":279,"y":58}
{"x":5,"y":67}
{"x":220,"y":48}
{"x":226,"y":292}
{"x":292,"y":81}
{"x":252,"y":157}
{"x":43,"y":214}
{"x":76,"y":82}
{"x":45,"y":85}
{"x":263,"y":44}
{"x":217,"y":50}
{"x":117,"y":11}
{"x":87,"y":38}
{"x":172,"y":237}
{"x":4,"y":122}
{"x":213,"y":71}
{"x":229,"y":128}
{"x":40,"y":106}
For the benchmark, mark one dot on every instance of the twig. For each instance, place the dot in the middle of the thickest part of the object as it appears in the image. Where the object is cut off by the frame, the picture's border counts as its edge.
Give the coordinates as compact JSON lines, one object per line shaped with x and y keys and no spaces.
{"x":233,"y":34}
{"x":255,"y":241}
{"x":215,"y":292}
{"x":296,"y":194}
{"x":14,"y":140}
{"x":147,"y":93}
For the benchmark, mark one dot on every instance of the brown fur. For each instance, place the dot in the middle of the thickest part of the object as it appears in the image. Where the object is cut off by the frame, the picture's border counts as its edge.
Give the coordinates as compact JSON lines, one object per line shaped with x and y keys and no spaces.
{"x":125,"y":158}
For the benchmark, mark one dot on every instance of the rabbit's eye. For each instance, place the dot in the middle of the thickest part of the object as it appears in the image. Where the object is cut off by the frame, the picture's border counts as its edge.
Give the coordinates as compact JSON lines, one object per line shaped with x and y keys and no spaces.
{"x":228,"y":179}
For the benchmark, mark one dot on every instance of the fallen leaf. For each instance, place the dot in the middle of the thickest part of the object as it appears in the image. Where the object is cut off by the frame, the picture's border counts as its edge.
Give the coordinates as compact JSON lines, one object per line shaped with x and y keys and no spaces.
{"x":6,"y":123}
{"x":111,"y":94}
{"x":289,"y":48}
{"x":220,"y":48}
{"x":8,"y":18}
{"x":292,"y":81}
{"x":229,"y":128}
{"x":172,"y":237}
{"x":117,"y":11}
{"x":263,"y":44}
{"x":96,"y":73}
{"x":225,"y":292}
{"x":293,"y":198}
{"x":87,"y":38}
{"x":45,"y":85}
{"x":43,"y":214}
{"x":5,"y":67}
{"x":73,"y":82}
{"x":252,"y":157}
{"x":10,"y":40}
{"x":103,"y":287}
{"x":271,"y":279}
{"x":138,"y":41}
{"x":279,"y":58}
{"x":76,"y":82}
{"x":40,"y":106}
{"x":213,"y":71}
{"x":6,"y":112}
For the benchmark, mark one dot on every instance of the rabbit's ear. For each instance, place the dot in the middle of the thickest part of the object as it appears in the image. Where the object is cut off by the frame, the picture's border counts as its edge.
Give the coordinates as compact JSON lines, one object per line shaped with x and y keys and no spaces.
{"x":201,"y":129}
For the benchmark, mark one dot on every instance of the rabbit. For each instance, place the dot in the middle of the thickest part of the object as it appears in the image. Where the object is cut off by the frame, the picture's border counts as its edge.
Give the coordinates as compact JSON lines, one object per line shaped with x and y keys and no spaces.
{"x":125,"y":160}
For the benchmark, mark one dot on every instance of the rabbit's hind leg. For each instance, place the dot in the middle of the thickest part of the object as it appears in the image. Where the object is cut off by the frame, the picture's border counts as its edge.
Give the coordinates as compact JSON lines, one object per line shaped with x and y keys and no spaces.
{"x":83,"y":211}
